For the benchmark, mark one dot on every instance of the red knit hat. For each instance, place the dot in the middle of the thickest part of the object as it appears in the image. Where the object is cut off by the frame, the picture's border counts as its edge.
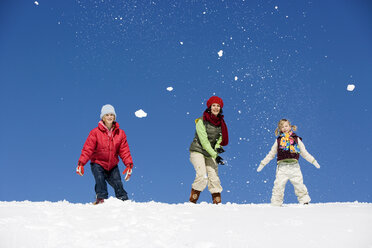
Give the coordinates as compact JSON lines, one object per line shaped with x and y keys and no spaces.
{"x":214,"y":99}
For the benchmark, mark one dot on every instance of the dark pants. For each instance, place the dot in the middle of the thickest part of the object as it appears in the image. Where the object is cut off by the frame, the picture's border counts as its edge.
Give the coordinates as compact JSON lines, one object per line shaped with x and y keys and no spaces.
{"x":112,"y":177}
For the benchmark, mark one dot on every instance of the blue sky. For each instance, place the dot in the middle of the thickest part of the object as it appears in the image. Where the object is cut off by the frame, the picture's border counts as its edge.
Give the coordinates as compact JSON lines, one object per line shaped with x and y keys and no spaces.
{"x":62,"y":60}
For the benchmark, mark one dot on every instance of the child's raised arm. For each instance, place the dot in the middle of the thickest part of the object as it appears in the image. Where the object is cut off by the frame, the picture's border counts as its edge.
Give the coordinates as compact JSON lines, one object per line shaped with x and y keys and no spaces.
{"x":306,"y":155}
{"x":270,"y":156}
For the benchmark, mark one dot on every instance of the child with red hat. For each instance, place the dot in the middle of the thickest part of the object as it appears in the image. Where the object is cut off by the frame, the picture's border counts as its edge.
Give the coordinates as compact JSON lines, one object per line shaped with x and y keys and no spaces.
{"x":211,"y":134}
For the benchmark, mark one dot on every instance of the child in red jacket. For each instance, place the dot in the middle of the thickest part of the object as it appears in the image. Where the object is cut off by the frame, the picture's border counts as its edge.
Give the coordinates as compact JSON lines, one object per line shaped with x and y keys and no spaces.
{"x":102,"y":147}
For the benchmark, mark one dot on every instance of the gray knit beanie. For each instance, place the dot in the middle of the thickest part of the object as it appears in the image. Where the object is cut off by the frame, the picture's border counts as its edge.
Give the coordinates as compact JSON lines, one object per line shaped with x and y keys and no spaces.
{"x":107,"y":109}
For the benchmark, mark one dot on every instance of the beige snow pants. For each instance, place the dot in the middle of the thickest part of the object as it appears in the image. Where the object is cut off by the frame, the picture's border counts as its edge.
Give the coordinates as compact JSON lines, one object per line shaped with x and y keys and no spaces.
{"x":206,"y":170}
{"x":292,"y":172}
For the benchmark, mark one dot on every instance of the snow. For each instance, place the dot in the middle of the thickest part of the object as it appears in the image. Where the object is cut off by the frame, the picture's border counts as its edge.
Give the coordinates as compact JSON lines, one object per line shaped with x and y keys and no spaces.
{"x":153,"y":224}
{"x":36,"y":3}
{"x":220,"y":53}
{"x":140,"y":113}
{"x":350,"y":87}
{"x":169,"y":88}
{"x":181,"y":42}
{"x":236,"y":78}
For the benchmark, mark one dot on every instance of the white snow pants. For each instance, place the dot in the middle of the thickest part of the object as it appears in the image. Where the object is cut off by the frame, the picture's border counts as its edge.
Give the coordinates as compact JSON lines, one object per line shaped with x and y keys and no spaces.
{"x":292,"y":172}
{"x":206,"y":170}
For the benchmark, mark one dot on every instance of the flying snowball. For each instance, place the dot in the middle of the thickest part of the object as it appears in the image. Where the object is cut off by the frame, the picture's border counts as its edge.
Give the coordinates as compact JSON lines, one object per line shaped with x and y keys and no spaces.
{"x":236,"y":78}
{"x":350,"y":87}
{"x":181,"y":42}
{"x":170,"y":88}
{"x":36,"y":3}
{"x":220,"y":53}
{"x":140,"y":113}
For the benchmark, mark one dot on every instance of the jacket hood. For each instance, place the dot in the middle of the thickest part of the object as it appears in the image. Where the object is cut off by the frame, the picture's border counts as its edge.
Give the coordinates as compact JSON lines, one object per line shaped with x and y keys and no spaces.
{"x":103,"y":128}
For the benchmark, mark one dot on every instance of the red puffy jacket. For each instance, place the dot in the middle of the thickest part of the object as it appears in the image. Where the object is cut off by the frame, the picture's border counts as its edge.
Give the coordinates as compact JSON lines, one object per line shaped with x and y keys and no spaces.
{"x":102,"y":149}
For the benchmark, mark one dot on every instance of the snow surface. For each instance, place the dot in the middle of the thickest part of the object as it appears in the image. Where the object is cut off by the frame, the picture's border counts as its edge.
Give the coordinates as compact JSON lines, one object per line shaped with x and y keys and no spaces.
{"x":152,"y":224}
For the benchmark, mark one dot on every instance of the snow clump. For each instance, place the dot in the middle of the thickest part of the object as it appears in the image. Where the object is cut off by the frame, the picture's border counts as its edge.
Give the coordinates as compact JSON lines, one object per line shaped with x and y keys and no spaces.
{"x":350,"y":87}
{"x":140,"y":113}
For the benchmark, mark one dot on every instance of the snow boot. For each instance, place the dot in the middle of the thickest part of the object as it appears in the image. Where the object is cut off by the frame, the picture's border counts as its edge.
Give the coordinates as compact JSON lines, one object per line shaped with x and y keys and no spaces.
{"x":98,"y":201}
{"x":194,"y":196}
{"x":216,"y":198}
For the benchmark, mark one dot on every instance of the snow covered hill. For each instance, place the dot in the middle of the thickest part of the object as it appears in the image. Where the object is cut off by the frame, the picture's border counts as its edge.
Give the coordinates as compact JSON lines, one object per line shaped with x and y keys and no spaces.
{"x":151,"y":224}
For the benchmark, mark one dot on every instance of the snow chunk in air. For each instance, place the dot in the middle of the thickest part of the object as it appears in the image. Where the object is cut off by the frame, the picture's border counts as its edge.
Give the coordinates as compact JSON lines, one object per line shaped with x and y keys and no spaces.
{"x":170,"y":88}
{"x":36,"y":3}
{"x":350,"y":87}
{"x":220,"y":53}
{"x":140,"y":113}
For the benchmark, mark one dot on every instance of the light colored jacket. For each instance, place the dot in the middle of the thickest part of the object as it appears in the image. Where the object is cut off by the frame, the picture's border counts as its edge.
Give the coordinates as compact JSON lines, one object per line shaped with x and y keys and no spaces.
{"x":274,"y":150}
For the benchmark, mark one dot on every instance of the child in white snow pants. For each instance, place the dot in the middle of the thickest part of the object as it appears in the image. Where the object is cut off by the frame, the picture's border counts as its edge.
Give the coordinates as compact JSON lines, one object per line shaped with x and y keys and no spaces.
{"x":288,"y":147}
{"x":289,"y":171}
